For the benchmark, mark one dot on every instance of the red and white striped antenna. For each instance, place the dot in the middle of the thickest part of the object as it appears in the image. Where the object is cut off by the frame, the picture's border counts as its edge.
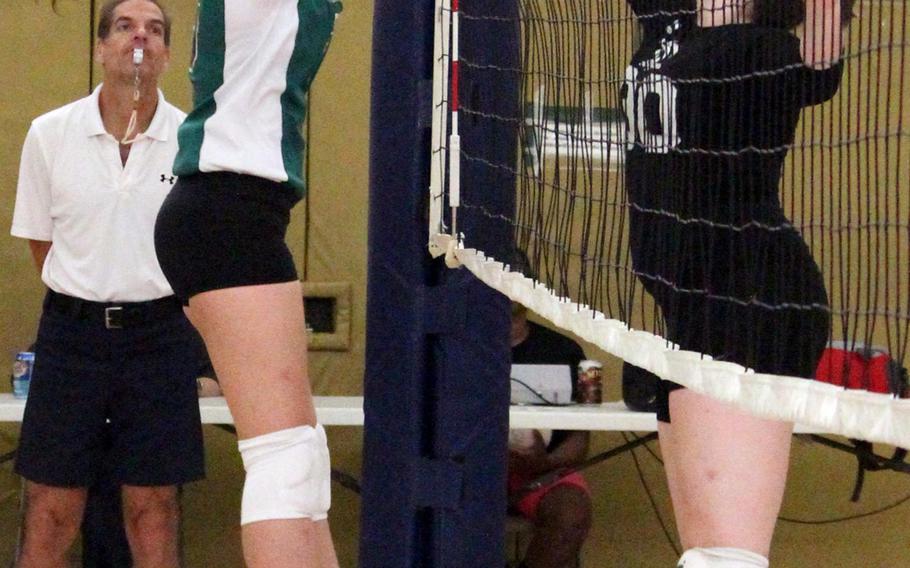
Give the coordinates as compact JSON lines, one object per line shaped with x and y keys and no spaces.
{"x":454,"y":138}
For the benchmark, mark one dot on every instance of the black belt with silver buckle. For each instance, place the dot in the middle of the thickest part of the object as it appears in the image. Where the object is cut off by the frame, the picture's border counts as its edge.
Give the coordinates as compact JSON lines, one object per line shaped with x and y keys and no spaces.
{"x":113,"y":315}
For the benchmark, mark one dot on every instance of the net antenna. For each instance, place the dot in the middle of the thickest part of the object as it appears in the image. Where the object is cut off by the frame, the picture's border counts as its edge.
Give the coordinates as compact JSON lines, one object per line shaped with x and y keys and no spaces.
{"x":840,"y":198}
{"x":446,"y":142}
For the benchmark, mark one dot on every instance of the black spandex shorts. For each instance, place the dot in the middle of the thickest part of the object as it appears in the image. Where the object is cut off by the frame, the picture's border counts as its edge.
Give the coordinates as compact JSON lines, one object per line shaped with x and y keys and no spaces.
{"x":766,"y":309}
{"x":223,"y":230}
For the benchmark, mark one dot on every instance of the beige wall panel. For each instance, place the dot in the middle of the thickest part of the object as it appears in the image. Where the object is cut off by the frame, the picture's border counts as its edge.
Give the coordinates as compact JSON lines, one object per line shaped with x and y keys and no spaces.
{"x":337,"y":199}
{"x":336,"y":243}
{"x":37,"y":76}
{"x":43,"y":63}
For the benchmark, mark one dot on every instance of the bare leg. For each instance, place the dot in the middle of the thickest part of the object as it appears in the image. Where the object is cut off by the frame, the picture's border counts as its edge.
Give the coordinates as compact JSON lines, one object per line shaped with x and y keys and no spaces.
{"x":726,"y":471}
{"x":152,"y":522}
{"x":562,"y":524}
{"x":52,"y":519}
{"x":256,"y":338}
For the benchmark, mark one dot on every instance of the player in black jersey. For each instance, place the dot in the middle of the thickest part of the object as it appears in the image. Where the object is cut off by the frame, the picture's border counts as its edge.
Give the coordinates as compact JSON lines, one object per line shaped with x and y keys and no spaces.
{"x":712,"y":100}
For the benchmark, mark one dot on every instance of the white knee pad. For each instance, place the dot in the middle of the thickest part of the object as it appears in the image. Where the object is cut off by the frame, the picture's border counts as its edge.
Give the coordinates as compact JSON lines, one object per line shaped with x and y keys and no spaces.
{"x":718,"y":557}
{"x":288,"y":475}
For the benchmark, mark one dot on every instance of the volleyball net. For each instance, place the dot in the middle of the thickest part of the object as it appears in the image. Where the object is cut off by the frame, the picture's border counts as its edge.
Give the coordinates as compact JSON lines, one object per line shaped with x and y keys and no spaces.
{"x":720,"y":205}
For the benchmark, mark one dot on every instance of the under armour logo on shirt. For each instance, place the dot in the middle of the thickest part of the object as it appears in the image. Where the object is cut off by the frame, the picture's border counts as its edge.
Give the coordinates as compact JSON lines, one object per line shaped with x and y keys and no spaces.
{"x":169,"y":179}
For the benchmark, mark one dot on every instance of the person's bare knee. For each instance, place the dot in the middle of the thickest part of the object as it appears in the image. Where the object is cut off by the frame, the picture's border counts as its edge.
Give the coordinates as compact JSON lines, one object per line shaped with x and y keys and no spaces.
{"x":152,"y":519}
{"x":566,"y":508}
{"x":52,"y":519}
{"x":561,"y":524}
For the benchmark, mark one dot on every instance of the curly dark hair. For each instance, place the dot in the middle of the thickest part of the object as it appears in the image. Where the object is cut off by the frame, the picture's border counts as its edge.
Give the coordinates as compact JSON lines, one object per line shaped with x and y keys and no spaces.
{"x":787,"y":14}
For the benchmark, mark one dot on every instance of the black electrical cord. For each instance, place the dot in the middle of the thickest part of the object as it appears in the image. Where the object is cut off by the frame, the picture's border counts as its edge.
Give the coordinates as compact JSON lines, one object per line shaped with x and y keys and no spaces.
{"x":792,"y":520}
{"x":897,"y":503}
{"x":7,"y":456}
{"x":647,"y":488}
{"x":544,"y":400}
{"x":648,"y":448}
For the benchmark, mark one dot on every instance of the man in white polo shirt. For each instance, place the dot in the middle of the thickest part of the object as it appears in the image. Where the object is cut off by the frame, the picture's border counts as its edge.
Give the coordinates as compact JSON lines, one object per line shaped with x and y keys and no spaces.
{"x":113,"y":343}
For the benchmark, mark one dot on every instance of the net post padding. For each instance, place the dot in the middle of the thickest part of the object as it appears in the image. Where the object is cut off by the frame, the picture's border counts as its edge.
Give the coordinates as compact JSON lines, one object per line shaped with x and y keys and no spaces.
{"x":828,"y":408}
{"x":436,"y":388}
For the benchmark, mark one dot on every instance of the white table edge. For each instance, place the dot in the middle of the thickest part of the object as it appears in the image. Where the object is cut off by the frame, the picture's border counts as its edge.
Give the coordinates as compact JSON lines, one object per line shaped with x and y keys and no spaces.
{"x":348,"y":411}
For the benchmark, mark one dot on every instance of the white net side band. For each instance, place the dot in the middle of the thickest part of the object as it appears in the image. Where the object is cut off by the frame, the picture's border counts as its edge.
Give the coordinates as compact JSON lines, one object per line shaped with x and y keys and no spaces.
{"x":820,"y":406}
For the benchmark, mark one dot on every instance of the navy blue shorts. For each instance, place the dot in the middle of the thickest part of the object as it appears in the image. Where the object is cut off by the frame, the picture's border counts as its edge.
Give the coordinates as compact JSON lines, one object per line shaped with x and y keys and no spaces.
{"x":142,"y":378}
{"x":223,"y":230}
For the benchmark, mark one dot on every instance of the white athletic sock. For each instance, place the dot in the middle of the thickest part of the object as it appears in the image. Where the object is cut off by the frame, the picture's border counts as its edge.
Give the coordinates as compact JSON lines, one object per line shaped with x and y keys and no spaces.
{"x":720,"y":557}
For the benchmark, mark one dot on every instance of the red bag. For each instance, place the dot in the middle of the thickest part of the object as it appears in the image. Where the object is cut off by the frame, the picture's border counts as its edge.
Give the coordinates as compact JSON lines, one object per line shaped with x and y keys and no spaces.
{"x":862,"y":367}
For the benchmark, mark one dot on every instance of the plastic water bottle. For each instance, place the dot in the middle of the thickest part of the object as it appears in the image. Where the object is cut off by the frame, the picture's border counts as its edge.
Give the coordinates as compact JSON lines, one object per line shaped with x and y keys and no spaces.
{"x":22,"y":373}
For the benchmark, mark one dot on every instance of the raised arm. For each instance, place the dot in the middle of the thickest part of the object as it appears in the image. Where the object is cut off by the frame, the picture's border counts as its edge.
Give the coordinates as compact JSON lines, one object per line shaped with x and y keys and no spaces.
{"x":822,"y":38}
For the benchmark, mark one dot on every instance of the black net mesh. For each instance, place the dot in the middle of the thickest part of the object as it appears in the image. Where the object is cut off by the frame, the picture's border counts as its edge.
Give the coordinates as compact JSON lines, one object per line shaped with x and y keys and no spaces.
{"x":736,"y":181}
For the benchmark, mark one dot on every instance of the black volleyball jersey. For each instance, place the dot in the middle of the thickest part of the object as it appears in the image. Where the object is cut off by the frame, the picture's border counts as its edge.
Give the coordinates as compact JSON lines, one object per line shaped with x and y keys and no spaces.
{"x":711,"y":113}
{"x":661,"y":18}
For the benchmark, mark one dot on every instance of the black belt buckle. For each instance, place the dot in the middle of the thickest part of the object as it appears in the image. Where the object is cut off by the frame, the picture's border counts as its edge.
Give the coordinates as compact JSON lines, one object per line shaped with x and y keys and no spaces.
{"x":113,"y":317}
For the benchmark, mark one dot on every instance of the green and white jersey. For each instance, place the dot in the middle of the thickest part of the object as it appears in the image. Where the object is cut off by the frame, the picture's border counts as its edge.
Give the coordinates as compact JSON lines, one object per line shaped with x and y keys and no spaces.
{"x":253,"y":64}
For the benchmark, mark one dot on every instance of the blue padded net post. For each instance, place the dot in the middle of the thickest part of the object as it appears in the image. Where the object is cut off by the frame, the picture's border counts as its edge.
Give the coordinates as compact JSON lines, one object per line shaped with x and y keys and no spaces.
{"x":437,"y":355}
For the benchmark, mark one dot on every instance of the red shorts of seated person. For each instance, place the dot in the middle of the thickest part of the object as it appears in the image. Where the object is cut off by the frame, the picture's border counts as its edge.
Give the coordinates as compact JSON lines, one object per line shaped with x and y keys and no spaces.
{"x":528,"y":504}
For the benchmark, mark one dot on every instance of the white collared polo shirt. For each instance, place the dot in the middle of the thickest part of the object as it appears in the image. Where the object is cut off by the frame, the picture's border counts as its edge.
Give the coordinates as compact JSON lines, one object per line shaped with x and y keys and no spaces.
{"x":74,"y":191}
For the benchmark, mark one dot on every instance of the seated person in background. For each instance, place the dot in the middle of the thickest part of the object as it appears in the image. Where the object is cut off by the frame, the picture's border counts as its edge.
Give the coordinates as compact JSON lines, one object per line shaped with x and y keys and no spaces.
{"x":561,"y":511}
